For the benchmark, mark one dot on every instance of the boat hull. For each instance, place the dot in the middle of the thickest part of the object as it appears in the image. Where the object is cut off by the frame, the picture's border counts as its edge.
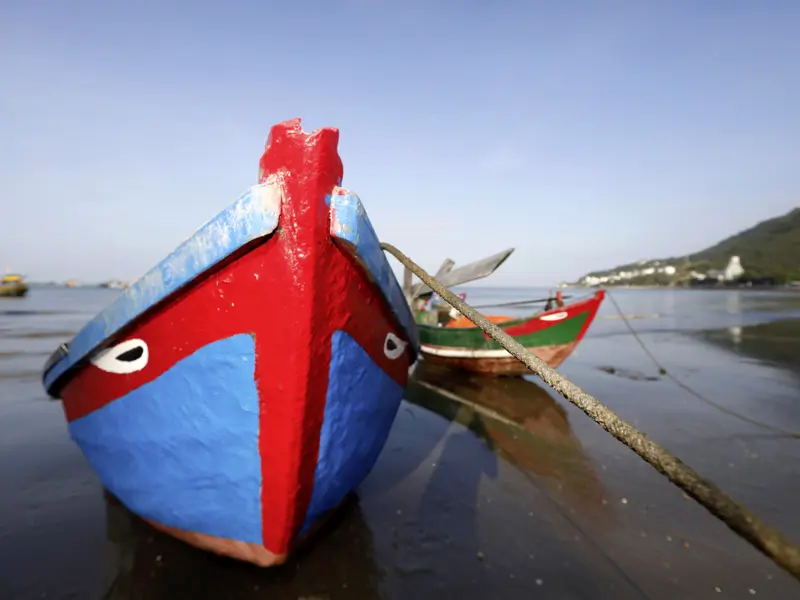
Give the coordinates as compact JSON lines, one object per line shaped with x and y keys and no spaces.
{"x":13,"y":290}
{"x":505,"y":365}
{"x":238,"y":410}
{"x":551,"y":336}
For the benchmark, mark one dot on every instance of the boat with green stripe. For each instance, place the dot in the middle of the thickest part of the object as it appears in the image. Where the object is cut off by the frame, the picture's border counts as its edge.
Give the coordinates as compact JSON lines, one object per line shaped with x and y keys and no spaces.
{"x":552,"y":335}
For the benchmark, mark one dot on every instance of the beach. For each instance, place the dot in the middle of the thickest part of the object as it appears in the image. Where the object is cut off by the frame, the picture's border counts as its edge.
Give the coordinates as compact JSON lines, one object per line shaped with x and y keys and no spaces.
{"x":485,"y":488}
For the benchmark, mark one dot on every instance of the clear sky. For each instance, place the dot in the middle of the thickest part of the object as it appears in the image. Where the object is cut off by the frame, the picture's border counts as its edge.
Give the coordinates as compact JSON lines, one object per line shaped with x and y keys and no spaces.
{"x":585,"y":134}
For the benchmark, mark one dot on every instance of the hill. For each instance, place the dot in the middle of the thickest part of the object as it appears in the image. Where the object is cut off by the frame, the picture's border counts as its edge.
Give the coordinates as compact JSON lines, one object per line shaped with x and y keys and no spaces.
{"x":770,"y":249}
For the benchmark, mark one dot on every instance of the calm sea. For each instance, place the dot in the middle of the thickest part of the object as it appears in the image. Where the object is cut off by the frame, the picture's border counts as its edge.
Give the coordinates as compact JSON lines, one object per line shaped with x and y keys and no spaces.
{"x":534,"y":500}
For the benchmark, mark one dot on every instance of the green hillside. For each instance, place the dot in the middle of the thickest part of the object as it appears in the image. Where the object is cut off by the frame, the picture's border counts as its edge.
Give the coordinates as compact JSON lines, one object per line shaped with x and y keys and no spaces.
{"x":769,"y":249}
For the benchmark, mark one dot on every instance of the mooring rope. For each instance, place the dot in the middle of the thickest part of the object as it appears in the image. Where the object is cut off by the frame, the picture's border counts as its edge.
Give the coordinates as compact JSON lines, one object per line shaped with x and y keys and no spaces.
{"x":737,"y":517}
{"x":685,"y":387}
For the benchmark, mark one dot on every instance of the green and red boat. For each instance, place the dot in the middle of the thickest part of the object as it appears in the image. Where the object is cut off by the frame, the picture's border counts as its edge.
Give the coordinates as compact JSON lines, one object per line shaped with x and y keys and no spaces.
{"x":552,"y":335}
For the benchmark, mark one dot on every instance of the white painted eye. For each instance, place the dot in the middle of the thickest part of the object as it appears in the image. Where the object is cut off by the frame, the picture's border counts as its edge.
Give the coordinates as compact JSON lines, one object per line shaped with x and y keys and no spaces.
{"x":555,"y":316}
{"x":393,"y":347}
{"x":126,"y":357}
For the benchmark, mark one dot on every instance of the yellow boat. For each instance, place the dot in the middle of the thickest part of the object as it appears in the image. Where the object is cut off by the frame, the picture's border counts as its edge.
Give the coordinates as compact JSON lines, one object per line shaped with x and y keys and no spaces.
{"x":13,"y":285}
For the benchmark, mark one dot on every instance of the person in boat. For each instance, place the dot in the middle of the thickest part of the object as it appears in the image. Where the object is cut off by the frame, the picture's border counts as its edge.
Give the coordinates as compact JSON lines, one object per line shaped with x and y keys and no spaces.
{"x":437,"y":302}
{"x":559,"y":301}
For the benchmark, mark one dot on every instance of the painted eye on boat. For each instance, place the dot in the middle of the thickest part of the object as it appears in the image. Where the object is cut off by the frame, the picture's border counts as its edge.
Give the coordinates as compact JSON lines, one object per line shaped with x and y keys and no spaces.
{"x":393,"y":347}
{"x":126,"y":357}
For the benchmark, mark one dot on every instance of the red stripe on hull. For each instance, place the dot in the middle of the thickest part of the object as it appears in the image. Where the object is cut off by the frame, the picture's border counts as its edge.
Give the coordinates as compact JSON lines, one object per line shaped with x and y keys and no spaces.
{"x":537,"y":323}
{"x":594,"y":305}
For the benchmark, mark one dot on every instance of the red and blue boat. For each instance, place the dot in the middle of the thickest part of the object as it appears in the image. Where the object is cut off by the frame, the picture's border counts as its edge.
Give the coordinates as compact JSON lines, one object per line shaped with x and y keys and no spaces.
{"x":236,"y":393}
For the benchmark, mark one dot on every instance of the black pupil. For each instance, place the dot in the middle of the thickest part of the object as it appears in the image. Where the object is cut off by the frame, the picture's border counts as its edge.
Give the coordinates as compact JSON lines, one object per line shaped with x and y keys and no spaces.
{"x":131,"y":355}
{"x":391,"y":344}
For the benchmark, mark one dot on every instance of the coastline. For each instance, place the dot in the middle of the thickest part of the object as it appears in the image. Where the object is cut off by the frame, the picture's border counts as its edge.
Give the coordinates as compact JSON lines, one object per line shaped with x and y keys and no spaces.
{"x":686,"y":288}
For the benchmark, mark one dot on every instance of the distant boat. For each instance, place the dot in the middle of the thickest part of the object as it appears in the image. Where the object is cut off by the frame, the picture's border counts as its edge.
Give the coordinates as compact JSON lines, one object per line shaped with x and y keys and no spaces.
{"x":114,"y":284}
{"x":551,"y":335}
{"x":13,"y":285}
{"x":239,"y":391}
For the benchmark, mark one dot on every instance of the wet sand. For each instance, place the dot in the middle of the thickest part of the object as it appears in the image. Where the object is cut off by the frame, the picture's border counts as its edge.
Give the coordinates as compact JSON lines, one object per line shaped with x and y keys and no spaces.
{"x":485,"y":489}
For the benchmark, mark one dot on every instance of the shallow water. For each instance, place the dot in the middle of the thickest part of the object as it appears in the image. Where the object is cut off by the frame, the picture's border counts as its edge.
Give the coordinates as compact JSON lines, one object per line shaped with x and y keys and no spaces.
{"x":485,"y":489}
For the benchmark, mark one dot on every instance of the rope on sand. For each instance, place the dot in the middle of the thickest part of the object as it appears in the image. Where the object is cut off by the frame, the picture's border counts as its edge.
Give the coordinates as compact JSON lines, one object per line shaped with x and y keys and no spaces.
{"x":736,"y":516}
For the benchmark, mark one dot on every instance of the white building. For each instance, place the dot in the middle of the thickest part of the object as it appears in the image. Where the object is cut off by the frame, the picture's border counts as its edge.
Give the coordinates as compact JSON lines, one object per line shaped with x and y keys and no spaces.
{"x":733,"y":270}
{"x":626,"y":275}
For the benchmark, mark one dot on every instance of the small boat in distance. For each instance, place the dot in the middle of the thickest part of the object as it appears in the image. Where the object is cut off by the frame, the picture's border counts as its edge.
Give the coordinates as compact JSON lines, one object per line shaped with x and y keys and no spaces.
{"x":551,"y":335}
{"x":114,"y":284}
{"x":13,"y":285}
{"x":240,"y":390}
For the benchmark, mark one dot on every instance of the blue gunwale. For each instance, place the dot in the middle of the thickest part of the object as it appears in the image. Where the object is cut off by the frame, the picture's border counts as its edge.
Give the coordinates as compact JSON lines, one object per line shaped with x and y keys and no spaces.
{"x":253,"y":215}
{"x":350,"y":223}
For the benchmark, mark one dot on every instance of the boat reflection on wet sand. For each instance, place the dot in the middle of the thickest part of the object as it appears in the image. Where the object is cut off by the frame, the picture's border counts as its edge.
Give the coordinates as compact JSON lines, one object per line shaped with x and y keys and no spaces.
{"x":148,"y":564}
{"x":520,"y":422}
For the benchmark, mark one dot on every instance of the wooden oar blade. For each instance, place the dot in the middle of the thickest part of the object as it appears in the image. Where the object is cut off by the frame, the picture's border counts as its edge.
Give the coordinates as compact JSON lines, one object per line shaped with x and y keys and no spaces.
{"x":469,"y":272}
{"x":413,"y":292}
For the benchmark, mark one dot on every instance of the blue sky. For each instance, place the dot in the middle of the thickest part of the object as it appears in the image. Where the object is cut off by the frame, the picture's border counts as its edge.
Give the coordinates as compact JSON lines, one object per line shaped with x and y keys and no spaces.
{"x":585,"y":134}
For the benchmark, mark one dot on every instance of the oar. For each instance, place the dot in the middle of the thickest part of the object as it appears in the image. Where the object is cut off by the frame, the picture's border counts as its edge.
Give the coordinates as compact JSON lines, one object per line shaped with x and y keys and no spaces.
{"x":518,"y":302}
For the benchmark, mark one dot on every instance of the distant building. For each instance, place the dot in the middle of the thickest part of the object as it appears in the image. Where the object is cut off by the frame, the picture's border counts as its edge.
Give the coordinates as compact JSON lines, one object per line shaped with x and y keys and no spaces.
{"x":647,"y":268}
{"x":650,"y":268}
{"x":734,"y":270}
